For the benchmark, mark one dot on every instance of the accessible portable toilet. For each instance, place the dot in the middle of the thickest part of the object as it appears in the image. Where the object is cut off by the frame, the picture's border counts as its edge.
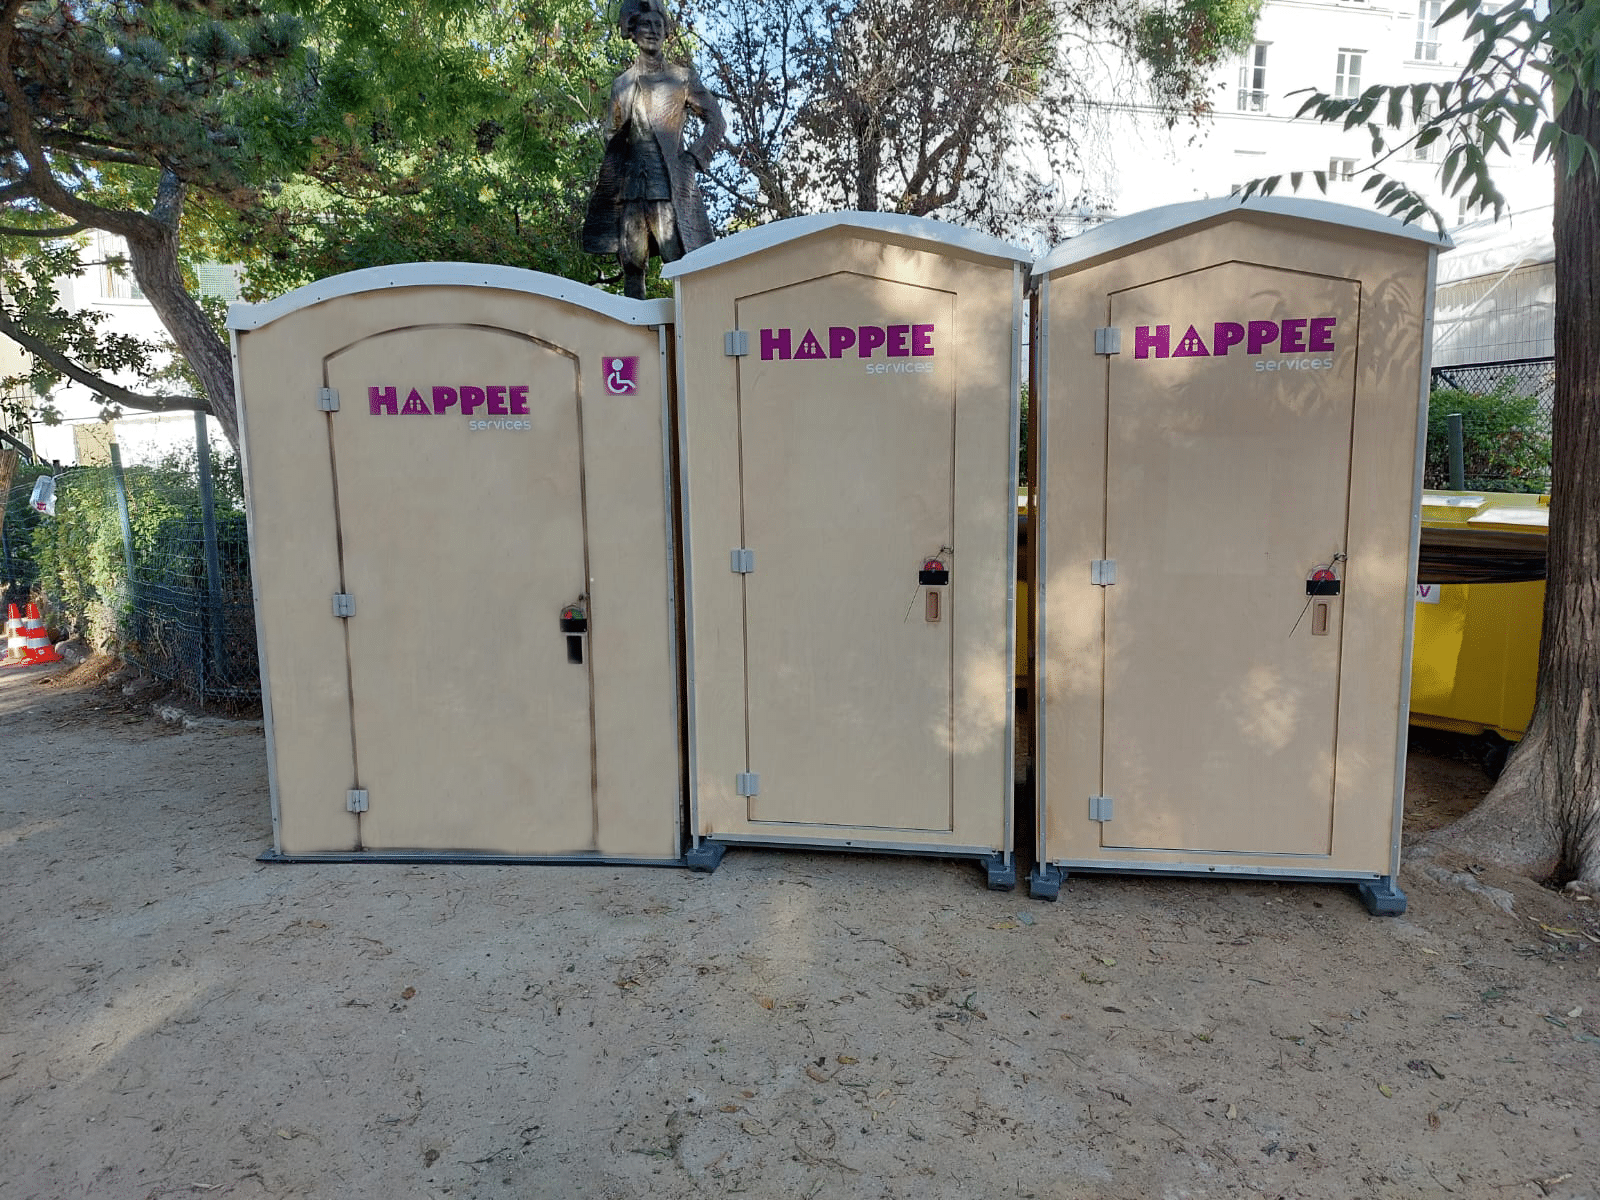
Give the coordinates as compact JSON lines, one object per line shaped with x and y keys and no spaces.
{"x":460,"y":525}
{"x":848,"y":408}
{"x":1231,"y":405}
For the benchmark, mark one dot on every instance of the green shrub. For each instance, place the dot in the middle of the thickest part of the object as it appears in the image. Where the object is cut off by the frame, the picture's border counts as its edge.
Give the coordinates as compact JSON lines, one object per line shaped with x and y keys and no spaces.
{"x":1505,"y":438}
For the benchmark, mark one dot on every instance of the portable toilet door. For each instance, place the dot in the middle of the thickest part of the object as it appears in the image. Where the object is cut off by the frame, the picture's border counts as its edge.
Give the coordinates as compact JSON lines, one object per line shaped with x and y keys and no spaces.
{"x":1230,"y":421}
{"x":848,"y":408}
{"x":460,"y":501}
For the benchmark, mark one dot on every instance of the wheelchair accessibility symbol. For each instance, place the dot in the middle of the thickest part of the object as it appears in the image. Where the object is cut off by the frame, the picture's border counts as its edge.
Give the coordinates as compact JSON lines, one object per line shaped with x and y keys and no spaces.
{"x":622,"y":376}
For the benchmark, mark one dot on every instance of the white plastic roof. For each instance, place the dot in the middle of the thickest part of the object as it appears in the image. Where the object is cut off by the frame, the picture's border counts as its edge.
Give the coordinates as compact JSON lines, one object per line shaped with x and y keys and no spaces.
{"x":777,"y":233}
{"x":452,"y":274}
{"x":1143,"y":226}
{"x":1491,"y":247}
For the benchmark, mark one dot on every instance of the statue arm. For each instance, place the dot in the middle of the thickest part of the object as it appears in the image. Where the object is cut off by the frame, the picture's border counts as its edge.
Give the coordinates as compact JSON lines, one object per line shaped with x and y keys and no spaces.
{"x":704,"y":105}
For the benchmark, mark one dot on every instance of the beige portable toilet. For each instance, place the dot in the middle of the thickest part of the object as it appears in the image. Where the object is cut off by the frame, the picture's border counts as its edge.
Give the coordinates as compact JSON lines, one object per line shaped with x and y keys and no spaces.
{"x":1232,"y":399}
{"x":848,"y":407}
{"x":459,"y":499}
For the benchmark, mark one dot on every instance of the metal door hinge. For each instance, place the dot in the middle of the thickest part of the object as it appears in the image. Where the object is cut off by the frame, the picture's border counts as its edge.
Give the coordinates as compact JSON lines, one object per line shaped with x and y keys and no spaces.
{"x":344,"y":604}
{"x":355,"y":800}
{"x":1108,"y":340}
{"x":747,"y":783}
{"x":1103,"y":572}
{"x":742,"y":561}
{"x":1099,"y":808}
{"x":328,"y":399}
{"x":736,"y":343}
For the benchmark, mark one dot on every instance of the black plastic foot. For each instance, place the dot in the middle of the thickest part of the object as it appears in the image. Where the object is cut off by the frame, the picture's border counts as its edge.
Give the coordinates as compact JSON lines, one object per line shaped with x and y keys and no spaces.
{"x":1044,"y":882}
{"x":1382,"y":897}
{"x":1002,"y":872}
{"x":706,"y":857}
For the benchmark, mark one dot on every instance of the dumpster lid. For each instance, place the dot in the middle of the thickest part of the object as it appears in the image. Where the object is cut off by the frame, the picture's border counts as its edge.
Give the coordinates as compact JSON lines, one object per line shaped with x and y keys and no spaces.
{"x":1123,"y":232}
{"x":942,"y":234}
{"x":451,"y":274}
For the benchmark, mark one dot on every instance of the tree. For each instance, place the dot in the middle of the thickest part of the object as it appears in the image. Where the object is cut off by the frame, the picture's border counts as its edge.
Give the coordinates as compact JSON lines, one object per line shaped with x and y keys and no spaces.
{"x":1533,"y":77}
{"x":438,"y":130}
{"x":968,"y":109}
{"x":314,"y":138}
{"x":111,"y":115}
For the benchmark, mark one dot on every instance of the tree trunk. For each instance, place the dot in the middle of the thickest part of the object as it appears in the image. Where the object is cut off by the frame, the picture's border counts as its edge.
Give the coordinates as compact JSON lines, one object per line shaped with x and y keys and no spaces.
{"x":153,"y":253}
{"x":1543,"y":816}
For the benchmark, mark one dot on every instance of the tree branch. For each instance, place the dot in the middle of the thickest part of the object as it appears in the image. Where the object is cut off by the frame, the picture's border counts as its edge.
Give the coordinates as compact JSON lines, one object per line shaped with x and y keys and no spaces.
{"x":104,"y":387}
{"x":67,"y":231}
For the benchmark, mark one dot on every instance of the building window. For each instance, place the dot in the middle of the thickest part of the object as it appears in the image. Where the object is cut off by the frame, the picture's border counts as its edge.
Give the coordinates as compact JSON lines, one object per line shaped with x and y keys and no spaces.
{"x":1427,"y":35}
{"x":1347,"y":79}
{"x":1253,"y":80}
{"x":1342,"y":170}
{"x":1424,"y":153}
{"x":112,"y":269}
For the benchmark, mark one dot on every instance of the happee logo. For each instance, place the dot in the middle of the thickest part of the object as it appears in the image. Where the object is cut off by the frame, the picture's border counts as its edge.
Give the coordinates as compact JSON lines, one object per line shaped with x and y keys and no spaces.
{"x":494,"y":400}
{"x":1292,"y":335}
{"x":895,"y":341}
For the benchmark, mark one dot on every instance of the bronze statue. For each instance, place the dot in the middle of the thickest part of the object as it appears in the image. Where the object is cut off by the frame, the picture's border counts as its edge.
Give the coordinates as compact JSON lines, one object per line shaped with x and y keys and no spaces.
{"x":647,"y":201}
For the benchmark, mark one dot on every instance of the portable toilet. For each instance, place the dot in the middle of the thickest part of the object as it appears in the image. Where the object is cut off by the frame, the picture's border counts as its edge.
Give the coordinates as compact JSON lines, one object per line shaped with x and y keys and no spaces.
{"x":848,"y":410}
{"x":1230,"y":416}
{"x":461,"y":541}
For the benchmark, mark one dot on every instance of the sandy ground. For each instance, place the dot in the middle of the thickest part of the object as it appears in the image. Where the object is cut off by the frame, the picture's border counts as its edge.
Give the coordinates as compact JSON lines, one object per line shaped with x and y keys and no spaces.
{"x":179,"y":1020}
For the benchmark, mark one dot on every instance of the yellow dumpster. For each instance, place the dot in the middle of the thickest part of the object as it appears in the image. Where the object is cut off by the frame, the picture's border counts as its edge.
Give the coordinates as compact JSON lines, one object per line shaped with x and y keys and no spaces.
{"x":1475,"y":647}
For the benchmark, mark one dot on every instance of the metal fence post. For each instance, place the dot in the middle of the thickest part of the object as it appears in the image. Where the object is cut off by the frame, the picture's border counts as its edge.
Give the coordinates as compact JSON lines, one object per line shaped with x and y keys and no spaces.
{"x":1458,"y":453}
{"x":121,"y":487}
{"x":208,"y":524}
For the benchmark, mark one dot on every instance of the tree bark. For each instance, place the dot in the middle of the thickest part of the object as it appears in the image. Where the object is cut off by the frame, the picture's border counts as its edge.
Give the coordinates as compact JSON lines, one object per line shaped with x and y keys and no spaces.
{"x":153,"y":254}
{"x":1543,"y":815}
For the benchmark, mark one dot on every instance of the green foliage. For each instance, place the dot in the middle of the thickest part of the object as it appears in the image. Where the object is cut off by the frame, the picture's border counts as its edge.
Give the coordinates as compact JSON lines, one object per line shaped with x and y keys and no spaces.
{"x":1505,"y":437}
{"x":432,"y":130}
{"x":79,"y":553}
{"x":1184,"y":40}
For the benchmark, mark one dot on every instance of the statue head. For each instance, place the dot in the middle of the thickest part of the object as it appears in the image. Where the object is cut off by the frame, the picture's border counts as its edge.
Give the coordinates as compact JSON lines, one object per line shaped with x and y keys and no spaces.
{"x":635,"y":11}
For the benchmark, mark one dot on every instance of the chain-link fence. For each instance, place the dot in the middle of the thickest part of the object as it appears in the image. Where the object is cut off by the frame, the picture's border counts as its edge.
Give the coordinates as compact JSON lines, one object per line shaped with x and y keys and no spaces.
{"x":151,"y":561}
{"x":1505,"y":409}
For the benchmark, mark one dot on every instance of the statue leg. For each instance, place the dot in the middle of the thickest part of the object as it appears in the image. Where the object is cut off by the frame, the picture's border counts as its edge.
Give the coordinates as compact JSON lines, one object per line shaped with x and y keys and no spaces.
{"x":635,"y":249}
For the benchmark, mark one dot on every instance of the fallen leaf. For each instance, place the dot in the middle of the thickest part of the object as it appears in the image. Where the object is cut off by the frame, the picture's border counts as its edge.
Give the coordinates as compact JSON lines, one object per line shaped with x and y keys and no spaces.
{"x":1433,"y":1120}
{"x":819,"y":1076}
{"x":1233,"y":1112}
{"x":1110,"y":962}
{"x":847,"y":1060}
{"x":765,"y":1001}
{"x":1386,"y":1089}
{"x":753,"y":1129}
{"x":1202,"y":1037}
{"x":748,"y":1095}
{"x":408,"y":993}
{"x":730,"y":1108}
{"x":1575,"y":1012}
{"x":1425,"y":950}
{"x":1084,"y":976}
{"x":1005,"y":925}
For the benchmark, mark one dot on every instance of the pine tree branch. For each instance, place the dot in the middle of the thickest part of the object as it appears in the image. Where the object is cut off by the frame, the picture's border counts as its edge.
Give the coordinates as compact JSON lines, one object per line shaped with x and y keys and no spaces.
{"x":40,"y":179}
{"x":104,"y":387}
{"x":66,"y":231}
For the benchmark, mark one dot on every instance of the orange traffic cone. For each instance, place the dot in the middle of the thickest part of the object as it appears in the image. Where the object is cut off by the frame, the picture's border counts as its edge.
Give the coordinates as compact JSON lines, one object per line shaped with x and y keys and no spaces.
{"x":16,"y":640}
{"x":39,"y":648}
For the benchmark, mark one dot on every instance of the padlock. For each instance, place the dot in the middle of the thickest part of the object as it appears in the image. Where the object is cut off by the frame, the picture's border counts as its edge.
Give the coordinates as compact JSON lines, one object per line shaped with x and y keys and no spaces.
{"x":1322,"y":582}
{"x":574,"y":619}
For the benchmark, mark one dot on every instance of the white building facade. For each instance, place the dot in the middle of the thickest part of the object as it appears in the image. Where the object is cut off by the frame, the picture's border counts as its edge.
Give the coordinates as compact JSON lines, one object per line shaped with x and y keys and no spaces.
{"x":1339,"y":47}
